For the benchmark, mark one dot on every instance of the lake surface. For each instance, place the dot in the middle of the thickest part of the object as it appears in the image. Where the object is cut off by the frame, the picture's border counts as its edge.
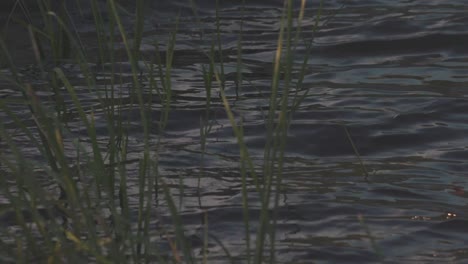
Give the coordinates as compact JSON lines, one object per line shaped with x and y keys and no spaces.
{"x":394,"y":73}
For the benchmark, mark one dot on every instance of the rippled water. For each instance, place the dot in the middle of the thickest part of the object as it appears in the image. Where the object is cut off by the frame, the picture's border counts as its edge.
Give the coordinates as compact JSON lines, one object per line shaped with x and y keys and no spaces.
{"x":395,"y":73}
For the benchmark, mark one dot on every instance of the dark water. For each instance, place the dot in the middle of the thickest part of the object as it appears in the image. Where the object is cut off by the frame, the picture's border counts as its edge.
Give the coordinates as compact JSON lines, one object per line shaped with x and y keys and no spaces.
{"x":395,"y":73}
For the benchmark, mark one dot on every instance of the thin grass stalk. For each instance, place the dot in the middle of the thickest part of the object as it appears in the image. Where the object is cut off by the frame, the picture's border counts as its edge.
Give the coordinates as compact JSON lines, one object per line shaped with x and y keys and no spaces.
{"x":243,"y":150}
{"x":284,"y":118}
{"x":220,"y":47}
{"x":23,"y":8}
{"x":27,"y":201}
{"x":19,"y":123}
{"x":50,"y":139}
{"x":245,"y":159}
{"x":53,"y":138}
{"x":35,"y":46}
{"x":138,"y":90}
{"x":8,"y":60}
{"x":55,"y":145}
{"x":177,"y":222}
{"x":118,"y":150}
{"x":151,"y":179}
{"x":18,"y":202}
{"x":268,"y":159}
{"x":244,"y":153}
{"x":245,"y":206}
{"x":283,"y":121}
{"x":165,"y":94}
{"x":356,"y":152}
{"x":25,"y":181}
{"x":116,"y":129}
{"x":239,"y":79}
{"x":100,"y":32}
{"x":205,"y":126}
{"x":59,"y":39}
{"x":98,"y":163}
{"x":32,"y":200}
{"x":269,"y":154}
{"x":38,"y":116}
{"x":141,"y":204}
{"x":138,"y":31}
{"x":60,"y":105}
{"x":145,"y":180}
{"x":274,"y":92}
{"x":205,"y":238}
{"x":224,"y":248}
{"x":22,"y":88}
{"x":75,"y":36}
{"x":239,"y":65}
{"x":98,"y":159}
{"x":83,"y":246}
{"x":123,"y":226}
{"x":134,"y":67}
{"x":299,"y":98}
{"x":165,"y":75}
{"x":372,"y":240}
{"x":49,"y":30}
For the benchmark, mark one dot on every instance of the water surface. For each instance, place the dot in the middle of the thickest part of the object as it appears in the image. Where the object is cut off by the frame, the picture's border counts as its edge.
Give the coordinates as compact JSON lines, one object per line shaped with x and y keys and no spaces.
{"x":394,"y":73}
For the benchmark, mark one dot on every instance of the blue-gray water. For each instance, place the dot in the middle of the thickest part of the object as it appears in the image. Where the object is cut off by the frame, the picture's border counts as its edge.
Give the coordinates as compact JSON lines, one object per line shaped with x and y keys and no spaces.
{"x":395,"y":73}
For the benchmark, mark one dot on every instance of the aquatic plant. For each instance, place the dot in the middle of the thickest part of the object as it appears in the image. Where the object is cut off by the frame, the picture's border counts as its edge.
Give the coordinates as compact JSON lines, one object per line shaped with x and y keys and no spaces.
{"x":88,"y":216}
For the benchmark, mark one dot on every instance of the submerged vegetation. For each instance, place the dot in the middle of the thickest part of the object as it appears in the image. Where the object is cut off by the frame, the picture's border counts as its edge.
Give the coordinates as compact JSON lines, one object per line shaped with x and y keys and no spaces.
{"x":73,"y":204}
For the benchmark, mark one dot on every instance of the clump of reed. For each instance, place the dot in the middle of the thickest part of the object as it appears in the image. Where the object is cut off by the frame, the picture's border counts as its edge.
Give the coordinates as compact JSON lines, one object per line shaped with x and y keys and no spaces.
{"x":91,"y":219}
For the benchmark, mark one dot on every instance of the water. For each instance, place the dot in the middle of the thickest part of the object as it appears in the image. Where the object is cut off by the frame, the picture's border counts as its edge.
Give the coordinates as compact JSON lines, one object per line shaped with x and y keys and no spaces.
{"x":393,"y":72}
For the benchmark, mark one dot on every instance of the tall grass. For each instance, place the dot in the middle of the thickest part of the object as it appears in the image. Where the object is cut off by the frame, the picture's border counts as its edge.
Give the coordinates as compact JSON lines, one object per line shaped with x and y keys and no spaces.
{"x":70,"y":223}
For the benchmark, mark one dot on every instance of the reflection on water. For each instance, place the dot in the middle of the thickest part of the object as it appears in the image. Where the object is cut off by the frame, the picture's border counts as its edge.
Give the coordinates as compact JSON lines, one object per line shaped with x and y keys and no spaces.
{"x":393,"y":72}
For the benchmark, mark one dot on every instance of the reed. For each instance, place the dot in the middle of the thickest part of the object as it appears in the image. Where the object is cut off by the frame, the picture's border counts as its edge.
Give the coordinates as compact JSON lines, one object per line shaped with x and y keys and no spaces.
{"x":70,"y":223}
